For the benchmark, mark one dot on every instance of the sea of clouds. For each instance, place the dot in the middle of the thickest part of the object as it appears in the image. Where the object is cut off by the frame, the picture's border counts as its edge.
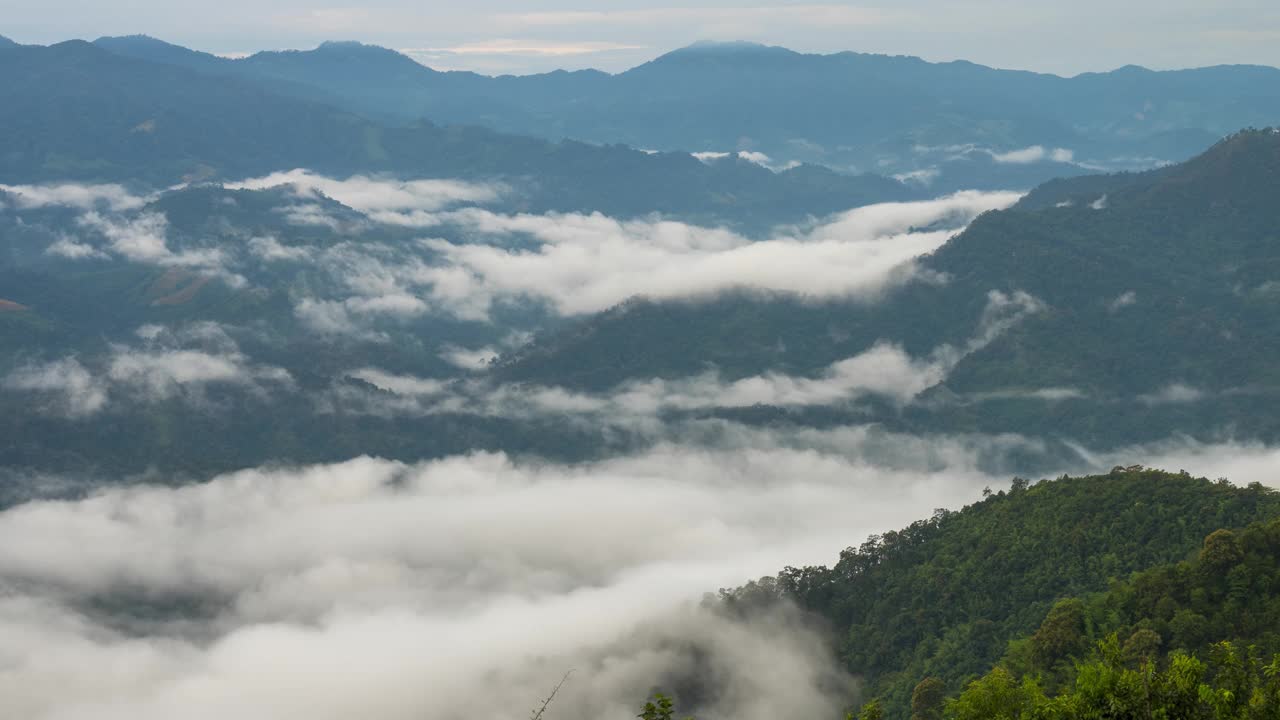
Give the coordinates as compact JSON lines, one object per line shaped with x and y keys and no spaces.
{"x":469,"y":586}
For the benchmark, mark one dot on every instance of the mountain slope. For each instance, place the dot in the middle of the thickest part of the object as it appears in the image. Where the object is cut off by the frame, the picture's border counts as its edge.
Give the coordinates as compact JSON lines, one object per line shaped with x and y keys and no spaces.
{"x":1157,"y":288}
{"x":944,"y":596}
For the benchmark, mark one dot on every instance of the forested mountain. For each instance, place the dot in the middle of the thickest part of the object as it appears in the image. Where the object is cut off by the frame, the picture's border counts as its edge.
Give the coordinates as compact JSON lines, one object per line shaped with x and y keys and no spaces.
{"x":948,"y":597}
{"x":955,"y":125}
{"x":1156,"y":289}
{"x":75,"y":111}
{"x":1193,"y":639}
{"x":1106,"y":311}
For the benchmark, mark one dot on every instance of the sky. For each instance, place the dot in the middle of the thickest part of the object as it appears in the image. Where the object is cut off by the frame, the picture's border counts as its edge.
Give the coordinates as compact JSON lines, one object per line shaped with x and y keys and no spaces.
{"x":506,"y":36}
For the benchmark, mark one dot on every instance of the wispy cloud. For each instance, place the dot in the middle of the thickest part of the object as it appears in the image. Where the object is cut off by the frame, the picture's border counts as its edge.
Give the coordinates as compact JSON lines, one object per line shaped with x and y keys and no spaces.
{"x":115,"y":198}
{"x":587,"y":263}
{"x":165,"y":363}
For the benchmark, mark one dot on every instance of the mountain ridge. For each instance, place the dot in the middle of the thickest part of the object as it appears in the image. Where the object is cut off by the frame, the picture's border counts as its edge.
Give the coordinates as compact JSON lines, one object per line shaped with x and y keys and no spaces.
{"x":846,"y":110}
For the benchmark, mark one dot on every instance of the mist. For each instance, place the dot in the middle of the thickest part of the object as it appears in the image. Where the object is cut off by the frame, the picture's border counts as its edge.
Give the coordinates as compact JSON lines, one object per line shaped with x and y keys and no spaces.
{"x":468,"y":586}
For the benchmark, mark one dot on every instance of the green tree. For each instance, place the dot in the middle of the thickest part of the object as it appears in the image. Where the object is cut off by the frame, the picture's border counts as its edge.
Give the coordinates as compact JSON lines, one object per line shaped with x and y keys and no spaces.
{"x":871,"y":711}
{"x":1061,"y":635}
{"x":997,"y":696}
{"x":928,"y":699}
{"x":659,"y":707}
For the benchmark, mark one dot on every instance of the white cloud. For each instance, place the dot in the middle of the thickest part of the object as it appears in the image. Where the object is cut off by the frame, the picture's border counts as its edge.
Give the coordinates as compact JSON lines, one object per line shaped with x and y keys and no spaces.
{"x":751,"y":156}
{"x":487,"y":576}
{"x":587,"y":263}
{"x":400,"y":384}
{"x":83,"y":197}
{"x":1123,"y":300}
{"x":382,"y":198}
{"x":166,"y":365}
{"x":1034,"y":154}
{"x":508,"y":46}
{"x":1175,"y":393}
{"x":923,"y":177}
{"x":351,"y":317}
{"x":71,"y":249}
{"x":271,"y":250}
{"x":142,"y":238}
{"x":884,"y":370}
{"x":77,"y":393}
{"x":476,"y":359}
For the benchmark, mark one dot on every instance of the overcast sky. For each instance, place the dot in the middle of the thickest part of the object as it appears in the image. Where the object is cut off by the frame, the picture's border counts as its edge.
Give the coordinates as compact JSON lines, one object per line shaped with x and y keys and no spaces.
{"x":536,"y":35}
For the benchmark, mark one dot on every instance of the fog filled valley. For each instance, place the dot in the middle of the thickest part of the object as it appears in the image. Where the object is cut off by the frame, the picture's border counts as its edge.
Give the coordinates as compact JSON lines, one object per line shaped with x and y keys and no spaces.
{"x":772,"y":384}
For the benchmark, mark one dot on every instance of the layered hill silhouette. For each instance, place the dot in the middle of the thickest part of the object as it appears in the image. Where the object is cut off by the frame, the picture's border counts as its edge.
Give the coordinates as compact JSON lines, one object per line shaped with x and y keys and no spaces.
{"x":957,"y":119}
{"x":76,"y":111}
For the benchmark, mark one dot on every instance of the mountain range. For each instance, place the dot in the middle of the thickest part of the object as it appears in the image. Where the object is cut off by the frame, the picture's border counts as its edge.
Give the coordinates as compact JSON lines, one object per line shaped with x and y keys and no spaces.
{"x":78,"y":112}
{"x":959,"y":124}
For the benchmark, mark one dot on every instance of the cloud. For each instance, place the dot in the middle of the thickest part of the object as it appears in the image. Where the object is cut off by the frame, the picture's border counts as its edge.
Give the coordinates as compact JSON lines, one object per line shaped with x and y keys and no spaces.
{"x":1034,"y":154}
{"x":1176,"y":393}
{"x":382,"y":198}
{"x":923,"y":177}
{"x":1123,"y":300}
{"x":756,"y":157}
{"x":352,"y":316}
{"x":477,"y":359}
{"x":182,"y":363}
{"x":143,"y":238}
{"x":884,"y":370}
{"x":534,"y":48}
{"x":588,"y":263}
{"x":1049,"y":394}
{"x":330,"y":591}
{"x":162,"y":374}
{"x":271,"y":250}
{"x":72,"y":389}
{"x":400,"y":384}
{"x":487,"y":576}
{"x":73,"y":250}
{"x":115,"y":198}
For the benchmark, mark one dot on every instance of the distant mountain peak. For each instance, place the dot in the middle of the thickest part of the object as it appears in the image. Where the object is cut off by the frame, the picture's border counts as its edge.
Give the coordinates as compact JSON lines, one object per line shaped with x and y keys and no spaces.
{"x":6,"y":42}
{"x":730,"y":47}
{"x":355,"y":47}
{"x":345,"y":45}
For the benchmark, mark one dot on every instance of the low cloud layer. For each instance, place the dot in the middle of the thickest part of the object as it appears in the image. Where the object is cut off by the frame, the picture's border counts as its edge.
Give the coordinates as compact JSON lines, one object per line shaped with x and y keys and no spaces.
{"x":467,"y":587}
{"x":112,"y":197}
{"x":588,"y":263}
{"x":344,"y":590}
{"x":885,"y":370}
{"x":383,"y":199}
{"x":464,"y":260}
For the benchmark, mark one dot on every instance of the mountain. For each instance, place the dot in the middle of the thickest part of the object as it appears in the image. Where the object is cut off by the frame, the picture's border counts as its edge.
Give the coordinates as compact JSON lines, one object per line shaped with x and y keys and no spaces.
{"x":143,"y":47}
{"x":1156,"y":289}
{"x":1191,"y":638}
{"x":7,"y":43}
{"x":76,"y":111}
{"x":944,"y":597}
{"x":955,"y":125}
